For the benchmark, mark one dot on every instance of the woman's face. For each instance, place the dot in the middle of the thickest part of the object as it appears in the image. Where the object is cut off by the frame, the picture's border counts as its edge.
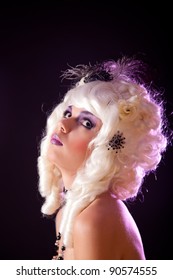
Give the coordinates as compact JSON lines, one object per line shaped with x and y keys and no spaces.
{"x":68,"y":147}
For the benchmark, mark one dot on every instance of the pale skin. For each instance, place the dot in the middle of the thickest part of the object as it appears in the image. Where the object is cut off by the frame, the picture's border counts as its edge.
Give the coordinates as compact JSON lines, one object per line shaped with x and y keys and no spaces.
{"x":105,"y":229}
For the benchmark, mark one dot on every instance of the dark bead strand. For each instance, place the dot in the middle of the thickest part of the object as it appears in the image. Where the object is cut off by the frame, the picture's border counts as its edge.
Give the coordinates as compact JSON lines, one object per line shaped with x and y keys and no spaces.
{"x":59,"y":256}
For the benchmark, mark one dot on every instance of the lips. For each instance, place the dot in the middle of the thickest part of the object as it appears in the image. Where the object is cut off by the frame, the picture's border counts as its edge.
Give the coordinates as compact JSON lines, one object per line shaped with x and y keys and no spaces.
{"x":55,"y":140}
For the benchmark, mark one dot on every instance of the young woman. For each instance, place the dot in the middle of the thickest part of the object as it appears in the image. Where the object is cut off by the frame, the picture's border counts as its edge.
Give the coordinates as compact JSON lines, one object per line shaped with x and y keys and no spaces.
{"x":100,"y":142}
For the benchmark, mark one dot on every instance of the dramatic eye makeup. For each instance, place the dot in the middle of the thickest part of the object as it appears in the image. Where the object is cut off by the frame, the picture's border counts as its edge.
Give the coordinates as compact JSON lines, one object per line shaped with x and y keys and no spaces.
{"x":85,"y":118}
{"x":68,"y":112}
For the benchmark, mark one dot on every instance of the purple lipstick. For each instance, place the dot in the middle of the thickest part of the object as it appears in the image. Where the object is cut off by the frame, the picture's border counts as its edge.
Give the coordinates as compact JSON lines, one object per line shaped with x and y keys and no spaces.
{"x":55,"y":140}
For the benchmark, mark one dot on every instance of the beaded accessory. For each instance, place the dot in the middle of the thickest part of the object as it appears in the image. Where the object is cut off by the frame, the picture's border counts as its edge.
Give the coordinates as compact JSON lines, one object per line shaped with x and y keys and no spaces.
{"x":59,"y":255}
{"x":117,"y":142}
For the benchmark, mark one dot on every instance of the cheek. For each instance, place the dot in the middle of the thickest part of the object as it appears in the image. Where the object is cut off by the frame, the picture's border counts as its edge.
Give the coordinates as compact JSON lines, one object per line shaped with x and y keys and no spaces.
{"x":80,"y":146}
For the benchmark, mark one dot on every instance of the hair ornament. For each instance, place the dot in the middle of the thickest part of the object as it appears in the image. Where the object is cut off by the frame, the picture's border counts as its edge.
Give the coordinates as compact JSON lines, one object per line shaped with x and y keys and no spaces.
{"x":125,"y":68}
{"x":117,"y":142}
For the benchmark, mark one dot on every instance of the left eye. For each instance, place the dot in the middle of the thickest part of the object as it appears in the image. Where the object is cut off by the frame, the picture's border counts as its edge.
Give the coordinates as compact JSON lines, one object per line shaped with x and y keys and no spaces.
{"x":67,"y":114}
{"x":87,"y":123}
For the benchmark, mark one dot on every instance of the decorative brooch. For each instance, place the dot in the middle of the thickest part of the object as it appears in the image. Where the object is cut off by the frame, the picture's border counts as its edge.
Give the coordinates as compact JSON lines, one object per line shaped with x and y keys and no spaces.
{"x":117,"y":142}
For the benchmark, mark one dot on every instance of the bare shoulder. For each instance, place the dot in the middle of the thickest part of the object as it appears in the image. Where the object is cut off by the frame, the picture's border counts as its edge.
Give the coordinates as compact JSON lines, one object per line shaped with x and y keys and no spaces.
{"x":106,"y":230}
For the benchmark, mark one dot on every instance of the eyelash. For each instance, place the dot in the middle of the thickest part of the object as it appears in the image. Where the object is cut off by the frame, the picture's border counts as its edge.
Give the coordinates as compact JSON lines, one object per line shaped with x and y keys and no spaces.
{"x":87,"y":121}
{"x":82,"y":120}
{"x":65,"y":114}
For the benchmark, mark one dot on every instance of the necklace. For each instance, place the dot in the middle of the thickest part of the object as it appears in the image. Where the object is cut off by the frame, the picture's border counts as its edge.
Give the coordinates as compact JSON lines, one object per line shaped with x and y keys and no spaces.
{"x":65,"y":190}
{"x":59,"y":254}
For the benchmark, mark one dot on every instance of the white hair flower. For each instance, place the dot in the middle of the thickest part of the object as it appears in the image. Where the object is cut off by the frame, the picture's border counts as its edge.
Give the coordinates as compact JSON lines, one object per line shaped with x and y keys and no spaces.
{"x":128,"y":109}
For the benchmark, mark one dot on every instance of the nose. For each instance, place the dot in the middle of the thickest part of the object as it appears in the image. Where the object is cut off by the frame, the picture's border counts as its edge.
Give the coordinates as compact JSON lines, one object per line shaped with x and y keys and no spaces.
{"x":65,"y":125}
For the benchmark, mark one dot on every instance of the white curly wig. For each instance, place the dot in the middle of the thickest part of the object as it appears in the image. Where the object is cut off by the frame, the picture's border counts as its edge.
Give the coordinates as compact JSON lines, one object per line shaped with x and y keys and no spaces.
{"x":113,"y":92}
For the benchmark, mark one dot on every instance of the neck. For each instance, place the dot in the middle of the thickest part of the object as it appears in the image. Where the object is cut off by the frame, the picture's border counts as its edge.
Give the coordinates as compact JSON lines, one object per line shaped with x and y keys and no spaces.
{"x":67,"y":180}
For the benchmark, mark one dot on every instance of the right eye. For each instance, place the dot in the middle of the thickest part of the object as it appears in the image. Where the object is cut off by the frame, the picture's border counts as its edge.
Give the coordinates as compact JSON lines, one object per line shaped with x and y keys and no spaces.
{"x":67,"y":114}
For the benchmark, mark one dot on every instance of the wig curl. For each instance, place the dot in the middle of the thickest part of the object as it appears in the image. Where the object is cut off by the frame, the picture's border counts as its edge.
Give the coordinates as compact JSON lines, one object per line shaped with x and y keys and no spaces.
{"x":114,"y":92}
